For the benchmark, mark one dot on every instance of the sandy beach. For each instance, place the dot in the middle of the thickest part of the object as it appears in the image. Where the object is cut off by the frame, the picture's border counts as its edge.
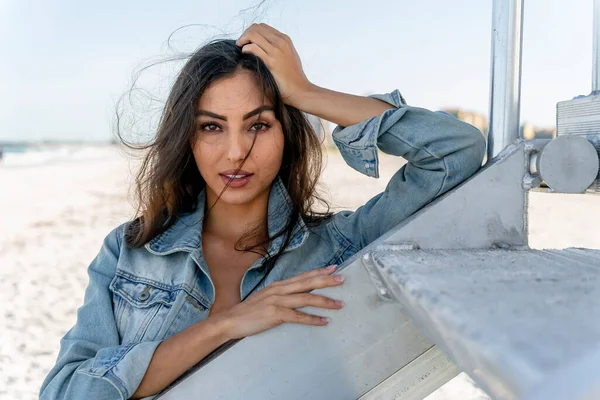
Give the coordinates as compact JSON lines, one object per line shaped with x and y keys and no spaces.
{"x":54,"y":217}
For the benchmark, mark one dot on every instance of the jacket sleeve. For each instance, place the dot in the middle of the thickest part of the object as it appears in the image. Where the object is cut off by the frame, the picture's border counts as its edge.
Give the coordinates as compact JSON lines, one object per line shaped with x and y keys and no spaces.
{"x":441,"y":151}
{"x":91,"y":362}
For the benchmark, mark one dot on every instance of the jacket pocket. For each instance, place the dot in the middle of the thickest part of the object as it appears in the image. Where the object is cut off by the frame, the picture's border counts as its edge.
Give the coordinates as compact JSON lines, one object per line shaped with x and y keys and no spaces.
{"x":141,"y":307}
{"x":147,"y":310}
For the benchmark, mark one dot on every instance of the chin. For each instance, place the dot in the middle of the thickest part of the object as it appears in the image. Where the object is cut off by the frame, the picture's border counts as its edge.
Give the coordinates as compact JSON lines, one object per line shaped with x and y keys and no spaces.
{"x":238,"y":196}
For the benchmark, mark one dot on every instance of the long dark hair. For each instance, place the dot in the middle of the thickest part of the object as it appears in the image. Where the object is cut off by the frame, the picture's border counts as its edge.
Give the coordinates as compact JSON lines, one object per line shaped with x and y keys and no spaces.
{"x":168,"y":182}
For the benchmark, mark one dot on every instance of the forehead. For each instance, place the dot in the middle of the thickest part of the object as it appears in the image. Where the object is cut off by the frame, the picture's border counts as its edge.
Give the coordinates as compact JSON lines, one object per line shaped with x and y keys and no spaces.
{"x":236,"y":94}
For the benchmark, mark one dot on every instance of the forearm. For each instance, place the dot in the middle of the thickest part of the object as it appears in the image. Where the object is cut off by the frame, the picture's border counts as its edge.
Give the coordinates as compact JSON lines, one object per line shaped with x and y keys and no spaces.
{"x":178,"y":353}
{"x":441,"y":152}
{"x":340,"y":108}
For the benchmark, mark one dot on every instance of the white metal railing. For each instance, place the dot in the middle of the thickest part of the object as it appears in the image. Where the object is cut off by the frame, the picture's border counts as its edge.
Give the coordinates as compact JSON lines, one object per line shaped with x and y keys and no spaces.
{"x":596,"y":49}
{"x":505,"y":80}
{"x":505,"y":67}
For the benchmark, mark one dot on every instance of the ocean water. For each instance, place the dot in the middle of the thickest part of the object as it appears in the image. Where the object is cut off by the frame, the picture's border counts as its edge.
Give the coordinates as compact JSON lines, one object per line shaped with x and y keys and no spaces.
{"x":27,"y":155}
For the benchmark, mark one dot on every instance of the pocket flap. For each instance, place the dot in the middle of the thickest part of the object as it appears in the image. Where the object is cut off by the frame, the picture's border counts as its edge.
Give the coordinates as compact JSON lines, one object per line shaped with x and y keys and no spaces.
{"x":141,"y":293}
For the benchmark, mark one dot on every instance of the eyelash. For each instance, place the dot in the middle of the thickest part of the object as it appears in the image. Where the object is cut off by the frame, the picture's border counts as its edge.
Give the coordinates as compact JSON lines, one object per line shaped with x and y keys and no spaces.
{"x":204,"y":125}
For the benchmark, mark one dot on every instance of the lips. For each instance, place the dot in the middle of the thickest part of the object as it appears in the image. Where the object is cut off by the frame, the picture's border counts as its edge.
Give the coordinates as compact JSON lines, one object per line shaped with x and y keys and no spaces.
{"x":241,"y":178}
{"x":235,"y":172}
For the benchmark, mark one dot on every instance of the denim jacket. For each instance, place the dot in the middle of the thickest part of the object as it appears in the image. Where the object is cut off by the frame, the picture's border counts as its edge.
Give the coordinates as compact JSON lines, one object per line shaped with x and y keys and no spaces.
{"x":138,"y":297}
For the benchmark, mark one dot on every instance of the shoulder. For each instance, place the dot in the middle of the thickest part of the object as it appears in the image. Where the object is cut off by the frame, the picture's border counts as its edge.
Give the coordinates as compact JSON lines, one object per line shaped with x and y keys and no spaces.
{"x":105,"y":262}
{"x":116,"y":237}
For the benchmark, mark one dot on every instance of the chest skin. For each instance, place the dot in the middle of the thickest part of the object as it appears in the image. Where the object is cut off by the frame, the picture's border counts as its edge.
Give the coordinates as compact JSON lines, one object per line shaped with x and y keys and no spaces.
{"x":227,"y":267}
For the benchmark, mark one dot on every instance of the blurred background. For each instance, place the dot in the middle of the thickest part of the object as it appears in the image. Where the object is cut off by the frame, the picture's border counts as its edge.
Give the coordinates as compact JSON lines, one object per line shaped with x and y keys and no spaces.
{"x":65,"y":181}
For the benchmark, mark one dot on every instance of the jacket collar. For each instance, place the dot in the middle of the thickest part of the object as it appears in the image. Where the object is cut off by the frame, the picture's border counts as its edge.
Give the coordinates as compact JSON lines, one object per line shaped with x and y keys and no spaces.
{"x":186,"y":233}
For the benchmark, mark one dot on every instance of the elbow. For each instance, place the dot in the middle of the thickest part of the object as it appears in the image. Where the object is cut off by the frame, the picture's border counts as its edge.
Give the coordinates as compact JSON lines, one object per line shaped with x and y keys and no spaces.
{"x":57,"y":384}
{"x":67,"y":383}
{"x":467,"y":157}
{"x":51,"y":388}
{"x":477,"y":147}
{"x":52,"y":391}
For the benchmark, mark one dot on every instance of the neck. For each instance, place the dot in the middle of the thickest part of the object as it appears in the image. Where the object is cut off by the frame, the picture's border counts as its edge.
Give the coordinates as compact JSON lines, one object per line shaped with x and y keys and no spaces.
{"x":229,"y":222}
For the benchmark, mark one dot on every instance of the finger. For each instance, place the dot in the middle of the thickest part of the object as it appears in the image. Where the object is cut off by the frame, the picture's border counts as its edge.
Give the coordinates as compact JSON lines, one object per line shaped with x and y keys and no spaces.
{"x":297,"y":317}
{"x":308,"y":284}
{"x":272,"y":35}
{"x":272,"y":289}
{"x":275,"y":37}
{"x":252,"y":36}
{"x":306,"y":300}
{"x":251,"y":28}
{"x":315,"y":272}
{"x":255,"y":49}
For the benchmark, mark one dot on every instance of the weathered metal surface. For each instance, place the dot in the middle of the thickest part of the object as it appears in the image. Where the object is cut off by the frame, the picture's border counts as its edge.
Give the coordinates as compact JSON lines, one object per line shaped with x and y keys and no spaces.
{"x":490,"y":210}
{"x":595,"y":141}
{"x":579,"y":116}
{"x":366,"y":342}
{"x":415,"y":381}
{"x":568,"y":164}
{"x":516,"y":321}
{"x":587,"y":387}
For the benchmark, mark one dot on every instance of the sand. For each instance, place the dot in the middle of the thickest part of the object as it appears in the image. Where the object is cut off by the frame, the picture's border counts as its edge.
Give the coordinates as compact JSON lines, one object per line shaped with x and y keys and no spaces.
{"x":53,"y":219}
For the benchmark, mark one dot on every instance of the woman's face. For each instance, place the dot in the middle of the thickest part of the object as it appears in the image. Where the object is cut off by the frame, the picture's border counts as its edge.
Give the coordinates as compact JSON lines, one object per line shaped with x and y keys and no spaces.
{"x":227,"y":119}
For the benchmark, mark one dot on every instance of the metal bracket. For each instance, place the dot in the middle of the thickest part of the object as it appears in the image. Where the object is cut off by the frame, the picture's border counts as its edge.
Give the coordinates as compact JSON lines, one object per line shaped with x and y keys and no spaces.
{"x":376,"y":278}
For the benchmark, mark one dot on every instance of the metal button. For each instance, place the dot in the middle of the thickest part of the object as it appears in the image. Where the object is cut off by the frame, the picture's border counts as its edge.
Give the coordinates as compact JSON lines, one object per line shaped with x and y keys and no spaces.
{"x":143,"y":296}
{"x":367,"y":165}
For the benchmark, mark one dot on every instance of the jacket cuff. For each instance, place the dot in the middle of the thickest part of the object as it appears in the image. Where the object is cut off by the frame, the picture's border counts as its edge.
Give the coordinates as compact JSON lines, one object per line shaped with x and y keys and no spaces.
{"x":358,"y":143}
{"x":123,"y":366}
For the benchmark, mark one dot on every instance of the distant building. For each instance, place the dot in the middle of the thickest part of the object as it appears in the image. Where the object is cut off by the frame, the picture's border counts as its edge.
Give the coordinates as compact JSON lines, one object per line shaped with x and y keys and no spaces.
{"x":545,"y":133}
{"x":478,"y":120}
{"x":529,"y":132}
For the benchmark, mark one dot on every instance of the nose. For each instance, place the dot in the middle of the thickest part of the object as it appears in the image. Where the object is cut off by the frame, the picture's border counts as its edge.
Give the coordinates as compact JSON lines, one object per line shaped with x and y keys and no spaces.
{"x":237,"y":147}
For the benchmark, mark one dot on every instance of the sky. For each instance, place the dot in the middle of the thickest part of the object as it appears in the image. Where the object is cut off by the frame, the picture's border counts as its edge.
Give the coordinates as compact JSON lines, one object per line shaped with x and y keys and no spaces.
{"x":65,"y":63}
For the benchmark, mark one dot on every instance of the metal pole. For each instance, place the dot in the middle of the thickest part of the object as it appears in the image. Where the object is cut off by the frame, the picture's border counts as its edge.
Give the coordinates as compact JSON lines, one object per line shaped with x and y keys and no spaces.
{"x":505,"y":81}
{"x":596,"y":51}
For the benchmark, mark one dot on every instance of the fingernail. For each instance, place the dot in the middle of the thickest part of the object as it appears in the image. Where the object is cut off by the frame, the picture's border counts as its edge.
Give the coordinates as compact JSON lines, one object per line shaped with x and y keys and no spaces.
{"x":324,"y":320}
{"x":339,"y":303}
{"x":338,"y":278}
{"x":330,"y":268}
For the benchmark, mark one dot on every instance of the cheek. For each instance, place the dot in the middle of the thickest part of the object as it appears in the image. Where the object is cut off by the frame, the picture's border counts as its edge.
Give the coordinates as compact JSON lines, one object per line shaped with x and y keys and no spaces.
{"x":205,"y":156}
{"x":269,"y":155}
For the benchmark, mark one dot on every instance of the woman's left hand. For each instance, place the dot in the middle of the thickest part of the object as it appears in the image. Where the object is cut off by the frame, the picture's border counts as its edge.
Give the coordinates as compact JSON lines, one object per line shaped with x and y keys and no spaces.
{"x":277,"y":51}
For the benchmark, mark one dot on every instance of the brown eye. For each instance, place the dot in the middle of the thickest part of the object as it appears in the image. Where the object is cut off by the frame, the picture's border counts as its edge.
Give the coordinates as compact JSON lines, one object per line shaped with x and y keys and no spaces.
{"x":261,"y":126}
{"x":209,"y":127}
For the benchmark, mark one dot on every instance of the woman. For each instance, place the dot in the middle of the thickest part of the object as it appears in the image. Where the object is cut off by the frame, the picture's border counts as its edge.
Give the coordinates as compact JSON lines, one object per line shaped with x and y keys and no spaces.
{"x":226,"y":195}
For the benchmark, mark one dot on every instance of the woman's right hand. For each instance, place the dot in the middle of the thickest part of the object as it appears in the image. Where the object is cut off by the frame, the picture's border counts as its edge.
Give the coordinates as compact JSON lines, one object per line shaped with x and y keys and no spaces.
{"x":277,"y":303}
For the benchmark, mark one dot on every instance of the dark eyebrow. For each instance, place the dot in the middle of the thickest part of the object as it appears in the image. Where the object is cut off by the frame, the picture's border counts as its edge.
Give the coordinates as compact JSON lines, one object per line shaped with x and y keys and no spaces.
{"x":250,"y":114}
